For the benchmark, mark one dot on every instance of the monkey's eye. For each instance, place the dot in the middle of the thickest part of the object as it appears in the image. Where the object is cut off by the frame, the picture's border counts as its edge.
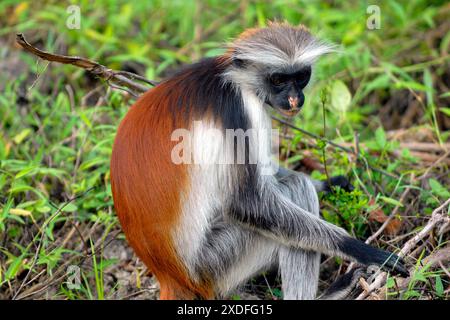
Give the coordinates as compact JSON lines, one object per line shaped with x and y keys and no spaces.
{"x":277,"y":80}
{"x":302,"y":77}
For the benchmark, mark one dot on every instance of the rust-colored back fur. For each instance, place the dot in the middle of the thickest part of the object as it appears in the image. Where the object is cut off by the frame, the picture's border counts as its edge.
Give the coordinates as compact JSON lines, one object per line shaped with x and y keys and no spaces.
{"x":147,"y":186}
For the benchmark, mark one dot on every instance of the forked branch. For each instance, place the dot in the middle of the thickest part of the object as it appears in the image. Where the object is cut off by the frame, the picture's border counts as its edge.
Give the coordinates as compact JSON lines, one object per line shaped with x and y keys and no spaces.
{"x":120,"y":78}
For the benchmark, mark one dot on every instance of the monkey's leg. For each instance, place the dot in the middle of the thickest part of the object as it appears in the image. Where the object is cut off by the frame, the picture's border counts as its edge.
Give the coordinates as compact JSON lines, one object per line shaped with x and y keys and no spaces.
{"x":299,"y":271}
{"x":230,"y":255}
{"x":299,"y":268}
{"x":300,"y":274}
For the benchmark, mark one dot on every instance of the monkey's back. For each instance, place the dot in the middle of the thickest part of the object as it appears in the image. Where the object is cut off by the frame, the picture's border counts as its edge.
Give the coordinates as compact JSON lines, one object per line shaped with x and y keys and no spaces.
{"x":147,"y":187}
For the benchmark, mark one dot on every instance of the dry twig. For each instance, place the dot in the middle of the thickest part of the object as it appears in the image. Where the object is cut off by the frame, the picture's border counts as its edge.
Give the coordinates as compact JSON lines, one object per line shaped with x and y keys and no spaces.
{"x":121,"y":78}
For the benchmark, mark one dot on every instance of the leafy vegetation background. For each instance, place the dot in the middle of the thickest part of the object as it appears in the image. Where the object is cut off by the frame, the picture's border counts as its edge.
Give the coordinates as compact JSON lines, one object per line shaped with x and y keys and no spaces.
{"x":385,"y":94}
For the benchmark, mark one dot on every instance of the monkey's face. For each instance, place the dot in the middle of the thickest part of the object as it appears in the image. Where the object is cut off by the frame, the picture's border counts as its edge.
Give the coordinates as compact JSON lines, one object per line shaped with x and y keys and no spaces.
{"x":285,"y":90}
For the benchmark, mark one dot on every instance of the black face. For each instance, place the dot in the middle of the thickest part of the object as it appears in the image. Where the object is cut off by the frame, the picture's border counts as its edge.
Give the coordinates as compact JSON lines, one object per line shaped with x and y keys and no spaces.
{"x":286,"y":90}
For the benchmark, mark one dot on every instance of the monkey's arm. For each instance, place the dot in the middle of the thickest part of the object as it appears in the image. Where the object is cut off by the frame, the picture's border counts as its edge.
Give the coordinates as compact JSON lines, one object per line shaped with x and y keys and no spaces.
{"x":267,"y":208}
{"x":319,"y":185}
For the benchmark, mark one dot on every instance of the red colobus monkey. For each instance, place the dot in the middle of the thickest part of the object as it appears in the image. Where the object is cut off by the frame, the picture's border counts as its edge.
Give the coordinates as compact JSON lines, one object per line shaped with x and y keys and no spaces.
{"x":204,"y":228}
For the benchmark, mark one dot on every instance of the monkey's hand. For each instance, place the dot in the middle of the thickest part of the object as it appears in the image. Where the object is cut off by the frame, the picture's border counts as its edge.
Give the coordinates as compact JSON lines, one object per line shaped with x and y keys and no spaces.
{"x":368,"y":255}
{"x":338,"y":181}
{"x":392,"y":263}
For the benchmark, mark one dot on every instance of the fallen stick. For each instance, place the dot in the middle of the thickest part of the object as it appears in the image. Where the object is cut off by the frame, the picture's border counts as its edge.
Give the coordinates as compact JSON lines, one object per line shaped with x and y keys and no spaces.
{"x":441,"y":159}
{"x":426,"y":146}
{"x":436,"y":218}
{"x":419,"y":147}
{"x":428,"y":157}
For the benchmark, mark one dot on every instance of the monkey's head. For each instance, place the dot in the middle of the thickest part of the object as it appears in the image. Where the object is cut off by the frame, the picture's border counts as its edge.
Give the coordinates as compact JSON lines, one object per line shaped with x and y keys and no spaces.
{"x":275,"y":63}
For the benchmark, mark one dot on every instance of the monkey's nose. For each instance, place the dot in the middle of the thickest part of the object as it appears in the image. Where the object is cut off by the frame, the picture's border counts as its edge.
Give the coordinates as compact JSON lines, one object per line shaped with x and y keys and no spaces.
{"x":293,"y":102}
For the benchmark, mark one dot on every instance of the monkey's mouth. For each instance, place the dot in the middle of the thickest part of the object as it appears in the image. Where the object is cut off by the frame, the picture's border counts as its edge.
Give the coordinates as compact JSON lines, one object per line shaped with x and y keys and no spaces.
{"x":289,"y":113}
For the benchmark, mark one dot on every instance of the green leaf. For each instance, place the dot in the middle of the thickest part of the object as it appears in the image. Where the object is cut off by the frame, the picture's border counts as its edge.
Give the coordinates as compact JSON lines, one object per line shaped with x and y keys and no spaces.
{"x":380,"y":82}
{"x":86,"y":120}
{"x":391,"y":201}
{"x":419,"y":277}
{"x":399,"y":11}
{"x":25,"y":172}
{"x":70,"y":207}
{"x":43,"y":209}
{"x":410,"y":85}
{"x":14,"y":267}
{"x":92,"y":162}
{"x":380,"y":137}
{"x":390,"y":283}
{"x":428,"y":81}
{"x":438,"y":189}
{"x":446,"y":111}
{"x":340,"y":96}
{"x":295,"y":158}
{"x":321,"y":144}
{"x":439,"y":286}
{"x":411,"y":293}
{"x":18,"y":139}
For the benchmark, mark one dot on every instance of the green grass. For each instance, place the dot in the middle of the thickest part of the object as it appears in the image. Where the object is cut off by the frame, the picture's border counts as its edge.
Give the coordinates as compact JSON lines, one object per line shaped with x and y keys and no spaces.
{"x":57,"y":126}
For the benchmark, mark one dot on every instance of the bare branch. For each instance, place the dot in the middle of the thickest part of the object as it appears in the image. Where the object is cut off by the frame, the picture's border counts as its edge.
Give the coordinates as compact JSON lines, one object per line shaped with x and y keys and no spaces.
{"x":121,"y":78}
{"x":436,"y":218}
